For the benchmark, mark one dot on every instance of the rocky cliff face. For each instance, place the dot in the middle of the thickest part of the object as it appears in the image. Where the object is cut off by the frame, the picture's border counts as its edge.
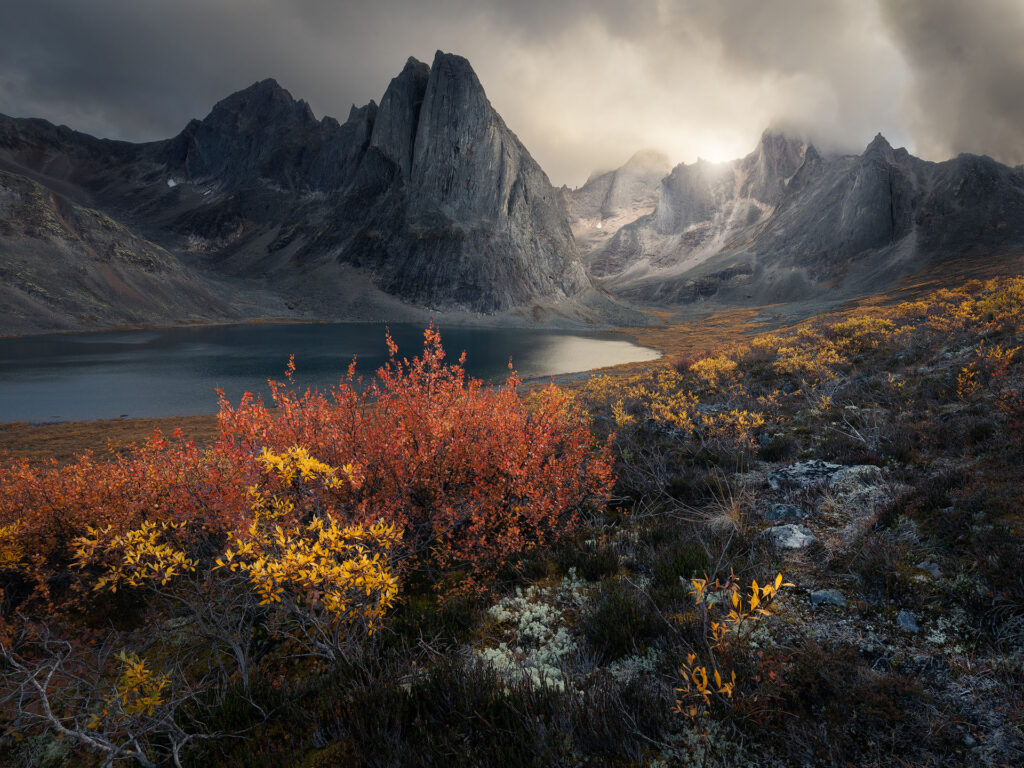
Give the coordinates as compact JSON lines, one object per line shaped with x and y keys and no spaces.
{"x":475,"y":221}
{"x":787,"y":223}
{"x":425,"y":202}
{"x":612,"y":199}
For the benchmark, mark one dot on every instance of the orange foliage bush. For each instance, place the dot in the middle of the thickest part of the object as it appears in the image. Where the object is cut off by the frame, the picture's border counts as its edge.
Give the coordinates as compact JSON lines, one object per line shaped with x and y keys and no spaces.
{"x":44,"y":508}
{"x":474,"y":475}
{"x":471,"y":473}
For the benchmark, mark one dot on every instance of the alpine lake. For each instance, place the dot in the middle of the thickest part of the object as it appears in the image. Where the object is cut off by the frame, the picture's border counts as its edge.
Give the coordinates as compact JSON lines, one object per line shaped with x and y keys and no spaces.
{"x":177,"y":371}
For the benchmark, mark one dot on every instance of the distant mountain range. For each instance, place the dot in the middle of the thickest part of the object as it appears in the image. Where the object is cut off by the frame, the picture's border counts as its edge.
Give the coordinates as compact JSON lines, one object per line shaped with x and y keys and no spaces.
{"x":787,"y":223}
{"x":427,"y":203}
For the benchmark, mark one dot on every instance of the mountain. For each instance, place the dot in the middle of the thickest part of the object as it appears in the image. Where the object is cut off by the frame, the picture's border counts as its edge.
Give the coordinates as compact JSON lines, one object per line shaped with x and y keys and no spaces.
{"x":427,"y":204}
{"x":424,"y":202}
{"x":788,"y":223}
{"x":612,"y":199}
{"x":62,"y":260}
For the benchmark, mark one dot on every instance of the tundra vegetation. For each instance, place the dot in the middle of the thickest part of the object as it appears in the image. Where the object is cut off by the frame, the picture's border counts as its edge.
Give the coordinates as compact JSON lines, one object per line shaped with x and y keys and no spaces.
{"x":801,"y":547}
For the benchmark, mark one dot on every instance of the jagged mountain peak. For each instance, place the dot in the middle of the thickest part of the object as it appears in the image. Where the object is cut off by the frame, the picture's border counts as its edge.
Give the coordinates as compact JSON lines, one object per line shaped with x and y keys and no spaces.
{"x":396,"y":121}
{"x":767,"y":170}
{"x":647,"y":161}
{"x":453,"y":65}
{"x":360,"y":113}
{"x":775,"y":142}
{"x":264,"y":100}
{"x":412,"y":63}
{"x":878,"y":145}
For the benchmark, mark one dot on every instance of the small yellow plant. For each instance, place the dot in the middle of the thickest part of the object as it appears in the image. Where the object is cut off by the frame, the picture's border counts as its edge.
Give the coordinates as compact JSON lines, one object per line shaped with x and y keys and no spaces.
{"x":733,"y":429}
{"x":967,"y":381}
{"x":676,"y":408}
{"x":341,"y":570}
{"x":697,"y":690}
{"x":135,"y":557}
{"x":896,"y":382}
{"x":868,"y":331}
{"x":622,"y":418}
{"x":139,"y":689}
{"x":296,"y":464}
{"x":714,"y":371}
{"x":138,"y":692}
{"x":11,"y":552}
{"x":712,"y":598}
{"x":813,"y":360}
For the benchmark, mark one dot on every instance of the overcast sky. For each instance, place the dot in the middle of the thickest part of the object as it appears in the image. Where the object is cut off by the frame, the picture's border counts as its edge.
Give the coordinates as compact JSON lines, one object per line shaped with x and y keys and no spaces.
{"x":584,"y":83}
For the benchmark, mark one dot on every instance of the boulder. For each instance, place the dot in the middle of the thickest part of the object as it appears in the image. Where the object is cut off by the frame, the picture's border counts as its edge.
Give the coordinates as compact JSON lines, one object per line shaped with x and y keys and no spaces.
{"x":827,"y":597}
{"x":791,"y":536}
{"x":802,"y":474}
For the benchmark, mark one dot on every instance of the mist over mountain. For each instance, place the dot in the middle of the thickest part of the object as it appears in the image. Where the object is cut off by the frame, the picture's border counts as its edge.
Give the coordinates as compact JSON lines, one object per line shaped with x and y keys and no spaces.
{"x":787,"y":223}
{"x":612,"y":198}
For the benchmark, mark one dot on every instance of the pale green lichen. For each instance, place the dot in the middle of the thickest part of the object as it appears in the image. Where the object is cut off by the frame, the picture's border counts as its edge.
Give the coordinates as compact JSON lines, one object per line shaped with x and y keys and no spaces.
{"x":537,"y":641}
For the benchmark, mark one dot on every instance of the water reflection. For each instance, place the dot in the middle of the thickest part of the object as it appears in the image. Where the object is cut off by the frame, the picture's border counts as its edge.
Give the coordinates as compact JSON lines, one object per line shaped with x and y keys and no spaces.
{"x":177,"y":371}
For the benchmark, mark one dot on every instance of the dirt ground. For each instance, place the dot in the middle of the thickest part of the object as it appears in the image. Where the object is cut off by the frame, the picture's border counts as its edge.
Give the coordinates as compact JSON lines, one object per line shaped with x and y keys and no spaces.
{"x":66,"y":440}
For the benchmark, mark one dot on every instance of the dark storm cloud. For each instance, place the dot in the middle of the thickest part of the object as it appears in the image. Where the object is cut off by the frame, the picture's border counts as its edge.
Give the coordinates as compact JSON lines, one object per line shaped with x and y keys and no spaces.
{"x":967,"y":61}
{"x":583,"y":82}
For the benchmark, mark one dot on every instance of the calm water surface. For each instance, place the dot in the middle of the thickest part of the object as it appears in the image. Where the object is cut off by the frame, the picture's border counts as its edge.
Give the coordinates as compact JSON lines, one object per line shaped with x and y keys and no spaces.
{"x":176,"y":372}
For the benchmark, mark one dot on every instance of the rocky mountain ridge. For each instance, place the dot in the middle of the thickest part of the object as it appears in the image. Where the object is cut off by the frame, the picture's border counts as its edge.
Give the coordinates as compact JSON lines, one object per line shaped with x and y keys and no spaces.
{"x":424,"y":203}
{"x":427,"y":204}
{"x":789,"y":223}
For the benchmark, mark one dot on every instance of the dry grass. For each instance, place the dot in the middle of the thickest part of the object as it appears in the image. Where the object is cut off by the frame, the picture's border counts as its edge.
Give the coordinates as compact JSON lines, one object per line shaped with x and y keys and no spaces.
{"x":66,"y":440}
{"x":679,"y":334}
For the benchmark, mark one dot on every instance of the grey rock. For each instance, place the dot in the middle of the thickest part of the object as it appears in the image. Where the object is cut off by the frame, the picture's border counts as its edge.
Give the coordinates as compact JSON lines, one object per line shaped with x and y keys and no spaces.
{"x":906,"y":621}
{"x":854,"y":479}
{"x":827,"y":597}
{"x":802,"y":474}
{"x":791,"y":536}
{"x":785,"y":512}
{"x":931,"y":568}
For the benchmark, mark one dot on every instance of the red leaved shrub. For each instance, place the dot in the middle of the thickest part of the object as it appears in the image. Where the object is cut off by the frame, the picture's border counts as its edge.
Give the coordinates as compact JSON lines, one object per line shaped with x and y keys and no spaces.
{"x":474,"y":475}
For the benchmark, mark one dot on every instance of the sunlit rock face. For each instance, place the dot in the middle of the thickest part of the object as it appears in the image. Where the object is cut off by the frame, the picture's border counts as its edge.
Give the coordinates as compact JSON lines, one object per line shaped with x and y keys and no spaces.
{"x":426,"y":200}
{"x":787,"y":223}
{"x":612,"y":199}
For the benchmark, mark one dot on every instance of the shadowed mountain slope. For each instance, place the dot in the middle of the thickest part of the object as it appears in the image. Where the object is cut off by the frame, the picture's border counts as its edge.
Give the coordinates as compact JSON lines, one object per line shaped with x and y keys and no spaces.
{"x":425,"y":202}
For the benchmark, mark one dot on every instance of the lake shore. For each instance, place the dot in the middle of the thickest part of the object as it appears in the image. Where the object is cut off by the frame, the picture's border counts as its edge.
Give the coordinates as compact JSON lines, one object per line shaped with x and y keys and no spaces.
{"x":64,"y":441}
{"x":675,"y":335}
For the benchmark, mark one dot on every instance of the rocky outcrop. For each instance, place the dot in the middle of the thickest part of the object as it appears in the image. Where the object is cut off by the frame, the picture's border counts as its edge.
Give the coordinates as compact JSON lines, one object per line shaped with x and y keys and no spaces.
{"x":426,"y":202}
